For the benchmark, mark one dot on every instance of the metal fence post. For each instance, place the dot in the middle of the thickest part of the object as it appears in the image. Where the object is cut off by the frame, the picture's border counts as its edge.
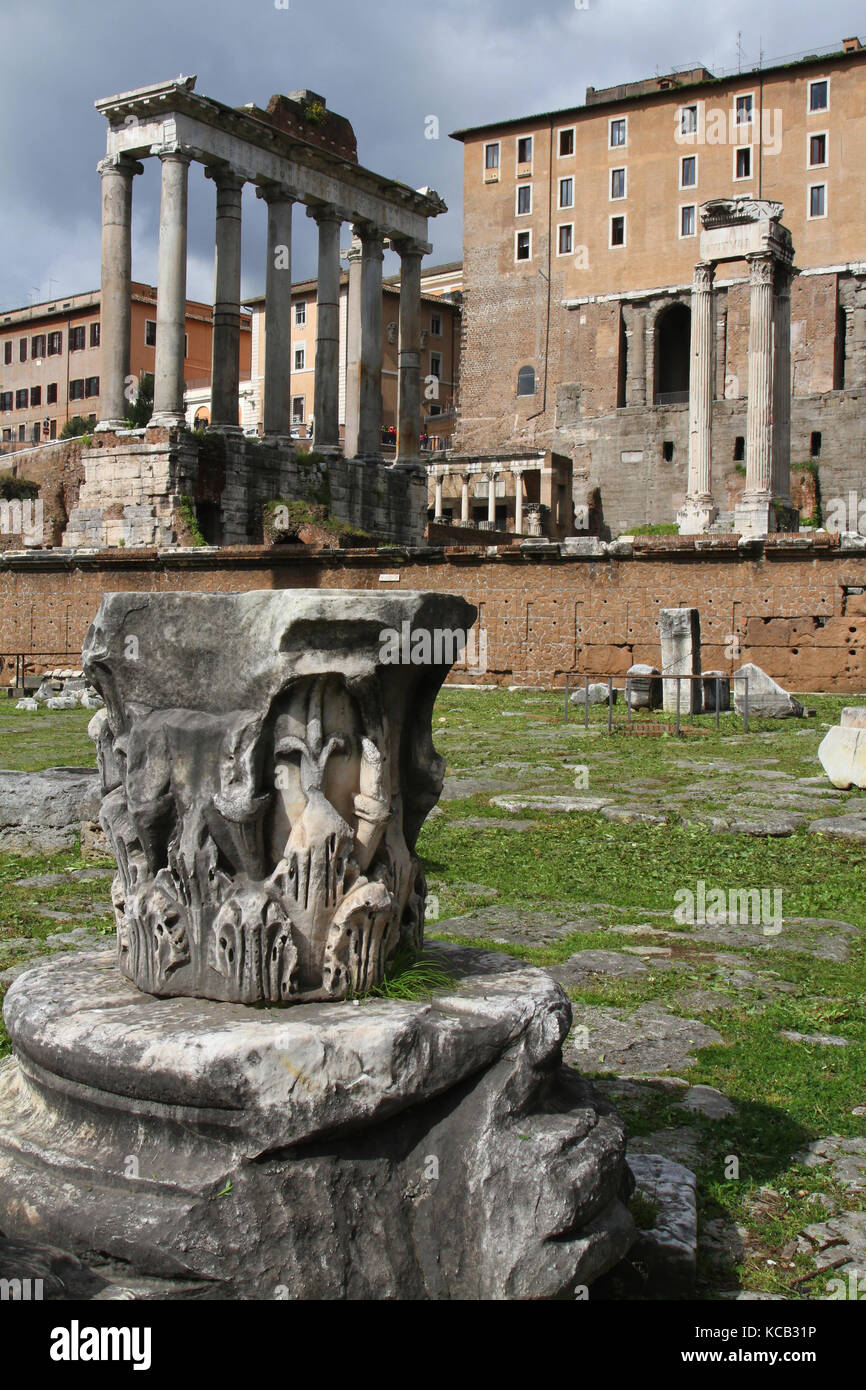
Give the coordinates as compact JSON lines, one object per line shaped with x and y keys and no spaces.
{"x":566,"y":697}
{"x":586,"y":703}
{"x":610,"y":704}
{"x":679,"y":688}
{"x":718,"y":698}
{"x":746,"y":708}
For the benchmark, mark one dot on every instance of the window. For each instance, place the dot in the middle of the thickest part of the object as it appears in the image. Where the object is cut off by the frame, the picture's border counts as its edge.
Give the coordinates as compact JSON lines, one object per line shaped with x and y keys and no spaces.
{"x":617,"y":183}
{"x":7,"y":436}
{"x":565,"y":240}
{"x":687,"y":220}
{"x":91,"y":386}
{"x":76,"y":390}
{"x":436,"y":365}
{"x":35,"y":395}
{"x":815,"y":444}
{"x":22,"y":434}
{"x":818,"y":200}
{"x":94,"y":335}
{"x":524,"y":149}
{"x":688,"y":120}
{"x":522,"y":246}
{"x":37,"y":345}
{"x":298,"y":403}
{"x":524,"y":199}
{"x":739,"y":448}
{"x":743,"y":162}
{"x":817,"y":150}
{"x":52,"y":431}
{"x":21,"y":398}
{"x":745,"y":106}
{"x":688,"y":171}
{"x":5,"y":400}
{"x":566,"y":193}
{"x":300,"y":358}
{"x":436,"y":325}
{"x":51,"y":393}
{"x":526,"y":381}
{"x":77,"y":339}
{"x":566,"y":142}
{"x":617,"y":133}
{"x":491,"y":156}
{"x":22,"y":349}
{"x":300,"y":315}
{"x":819,"y":94}
{"x":7,"y":352}
{"x":150,"y":332}
{"x":617,"y":231}
{"x":34,"y":433}
{"x":55,"y":344}
{"x":668,"y":450}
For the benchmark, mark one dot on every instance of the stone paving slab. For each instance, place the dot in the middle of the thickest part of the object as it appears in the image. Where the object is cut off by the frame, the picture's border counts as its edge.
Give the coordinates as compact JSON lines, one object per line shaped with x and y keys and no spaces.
{"x":518,"y":926}
{"x":641,"y":1042}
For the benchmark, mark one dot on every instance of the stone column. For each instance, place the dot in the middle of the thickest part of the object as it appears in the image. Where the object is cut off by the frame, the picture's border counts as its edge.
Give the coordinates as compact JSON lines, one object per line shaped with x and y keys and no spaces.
{"x":754,"y":514}
{"x":437,"y":506}
{"x":353,"y":351}
{"x":518,"y":500}
{"x":226,"y":343}
{"x":782,"y":385}
{"x":277,"y":408}
{"x":168,"y":382}
{"x":464,"y":497}
{"x":409,"y":354}
{"x":326,"y":407}
{"x":491,"y":499}
{"x":370,"y":374}
{"x":636,"y":364}
{"x":115,"y":306}
{"x":700,"y":511}
{"x":721,"y":352}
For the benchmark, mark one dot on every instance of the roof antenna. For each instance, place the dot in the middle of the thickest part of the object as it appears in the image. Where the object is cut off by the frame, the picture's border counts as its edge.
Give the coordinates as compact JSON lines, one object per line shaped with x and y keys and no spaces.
{"x":739,"y":50}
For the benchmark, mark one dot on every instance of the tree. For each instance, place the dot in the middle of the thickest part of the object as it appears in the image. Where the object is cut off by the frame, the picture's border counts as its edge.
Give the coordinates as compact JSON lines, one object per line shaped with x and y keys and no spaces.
{"x":75,"y":426}
{"x":141,"y":408}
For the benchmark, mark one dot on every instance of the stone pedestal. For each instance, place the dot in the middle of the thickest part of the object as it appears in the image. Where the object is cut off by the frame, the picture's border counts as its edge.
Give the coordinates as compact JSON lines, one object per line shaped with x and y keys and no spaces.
{"x":681,"y":656}
{"x":390,"y":1150}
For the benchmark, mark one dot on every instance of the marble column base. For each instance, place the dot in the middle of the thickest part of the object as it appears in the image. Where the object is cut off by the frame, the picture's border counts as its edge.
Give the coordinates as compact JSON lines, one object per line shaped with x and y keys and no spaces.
{"x":696,"y":517}
{"x":374,"y":1150}
{"x":762,"y":516}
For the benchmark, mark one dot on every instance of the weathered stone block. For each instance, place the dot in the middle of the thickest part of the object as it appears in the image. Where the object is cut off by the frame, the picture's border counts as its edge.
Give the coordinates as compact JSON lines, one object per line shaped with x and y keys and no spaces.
{"x":41,"y":812}
{"x":843,"y":756}
{"x":853,"y":717}
{"x":642,"y":691}
{"x":709,"y":684}
{"x":680,"y":630}
{"x":767,"y":699}
{"x":595,"y":694}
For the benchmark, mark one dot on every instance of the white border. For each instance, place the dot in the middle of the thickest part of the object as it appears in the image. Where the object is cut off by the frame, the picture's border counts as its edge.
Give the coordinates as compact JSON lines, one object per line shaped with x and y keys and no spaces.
{"x":520,"y":188}
{"x":561,"y":131}
{"x":819,"y":216}
{"x":812,"y":135}
{"x":523,"y":260}
{"x":684,"y":186}
{"x":611,"y":244}
{"x":610,"y":123}
{"x":612,"y":170}
{"x":822,"y":110}
{"x":559,"y":227}
{"x":681,"y":235}
{"x":561,"y":206}
{"x":743,"y":178}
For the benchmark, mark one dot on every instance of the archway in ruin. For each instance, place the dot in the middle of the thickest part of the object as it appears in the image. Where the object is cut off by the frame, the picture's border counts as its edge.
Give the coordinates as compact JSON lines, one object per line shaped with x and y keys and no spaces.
{"x":672,"y":345}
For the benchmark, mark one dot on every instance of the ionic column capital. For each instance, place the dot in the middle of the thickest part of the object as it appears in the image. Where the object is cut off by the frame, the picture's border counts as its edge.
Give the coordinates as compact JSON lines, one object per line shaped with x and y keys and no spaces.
{"x":273,"y":192}
{"x":372,"y":239}
{"x":119,"y":164}
{"x":410,"y":246}
{"x":327,"y":212}
{"x":175,"y":154}
{"x":225,"y":177}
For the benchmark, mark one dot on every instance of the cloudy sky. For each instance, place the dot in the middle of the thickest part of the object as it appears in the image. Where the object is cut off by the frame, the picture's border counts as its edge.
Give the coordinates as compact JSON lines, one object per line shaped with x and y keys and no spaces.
{"x":386,"y":64}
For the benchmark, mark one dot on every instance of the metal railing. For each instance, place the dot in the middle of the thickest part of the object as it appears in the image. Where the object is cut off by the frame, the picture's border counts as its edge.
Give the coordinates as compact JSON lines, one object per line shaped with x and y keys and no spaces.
{"x":637,"y":682}
{"x":15,"y":666}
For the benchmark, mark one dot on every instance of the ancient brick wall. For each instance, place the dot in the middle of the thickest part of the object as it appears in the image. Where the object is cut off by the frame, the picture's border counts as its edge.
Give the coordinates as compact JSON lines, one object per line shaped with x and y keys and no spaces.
{"x":796,"y":607}
{"x":58,"y":471}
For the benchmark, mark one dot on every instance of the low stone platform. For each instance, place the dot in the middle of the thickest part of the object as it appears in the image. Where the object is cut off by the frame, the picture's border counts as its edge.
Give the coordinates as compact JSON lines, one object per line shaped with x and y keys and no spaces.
{"x":373,"y":1149}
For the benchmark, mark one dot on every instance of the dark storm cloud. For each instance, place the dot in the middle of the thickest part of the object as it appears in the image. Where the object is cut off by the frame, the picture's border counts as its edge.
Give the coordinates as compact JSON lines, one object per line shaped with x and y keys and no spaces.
{"x":388,"y":66}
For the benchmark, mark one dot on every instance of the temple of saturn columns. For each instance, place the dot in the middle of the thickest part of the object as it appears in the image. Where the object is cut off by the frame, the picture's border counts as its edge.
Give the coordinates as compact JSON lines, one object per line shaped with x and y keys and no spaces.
{"x":744,"y":229}
{"x":286,"y":154}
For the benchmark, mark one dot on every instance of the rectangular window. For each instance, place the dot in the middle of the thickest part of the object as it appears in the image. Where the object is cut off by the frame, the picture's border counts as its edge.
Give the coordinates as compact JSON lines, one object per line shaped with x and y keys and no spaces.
{"x":688,"y":120}
{"x":37,"y":345}
{"x":566,"y":240}
{"x":300,"y":358}
{"x":21,"y":398}
{"x":51,"y":393}
{"x":491,"y":155}
{"x":5,"y":400}
{"x":436,"y":365}
{"x":819,"y":95}
{"x":617,"y":183}
{"x":55,"y":344}
{"x":818,"y":200}
{"x":34,"y":433}
{"x":566,"y":193}
{"x":77,"y":339}
{"x":617,"y":231}
{"x":22,"y":434}
{"x":7,"y":352}
{"x":522,"y":246}
{"x":94,"y":335}
{"x":524,"y":199}
{"x":617,"y":133}
{"x":22,"y":349}
{"x":817,"y":150}
{"x":35,"y":395}
{"x":745,"y":108}
{"x":524,"y":149}
{"x":150,"y":332}
{"x":7,"y":436}
{"x":76,"y":389}
{"x":436,"y":325}
{"x":688,"y":171}
{"x":743,"y":162}
{"x":298,"y":409}
{"x":566,"y":142}
{"x":300,"y":315}
{"x":91,"y":386}
{"x":52,"y":431}
{"x":687,"y":220}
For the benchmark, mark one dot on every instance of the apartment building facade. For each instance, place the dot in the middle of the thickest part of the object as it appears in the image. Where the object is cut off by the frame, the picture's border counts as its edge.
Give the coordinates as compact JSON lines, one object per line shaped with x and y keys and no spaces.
{"x":50,"y":360}
{"x":581,"y":233}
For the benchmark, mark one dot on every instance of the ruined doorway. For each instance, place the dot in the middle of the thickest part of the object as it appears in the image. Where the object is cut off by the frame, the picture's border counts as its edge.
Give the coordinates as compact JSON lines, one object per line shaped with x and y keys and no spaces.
{"x":672,"y":348}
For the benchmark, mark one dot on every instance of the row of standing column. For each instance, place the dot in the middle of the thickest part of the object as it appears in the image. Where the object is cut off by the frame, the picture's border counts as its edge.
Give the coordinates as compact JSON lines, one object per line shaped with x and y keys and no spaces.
{"x":491,"y":497}
{"x":364,"y":367}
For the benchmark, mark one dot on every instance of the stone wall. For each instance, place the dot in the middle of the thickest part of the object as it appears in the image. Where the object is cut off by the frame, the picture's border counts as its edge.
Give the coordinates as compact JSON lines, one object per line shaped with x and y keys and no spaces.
{"x":794,"y":605}
{"x":58,"y":470}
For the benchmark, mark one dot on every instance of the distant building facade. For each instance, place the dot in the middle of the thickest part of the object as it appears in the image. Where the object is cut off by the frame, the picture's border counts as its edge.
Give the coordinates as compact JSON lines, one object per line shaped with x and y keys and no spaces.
{"x":581,"y":234}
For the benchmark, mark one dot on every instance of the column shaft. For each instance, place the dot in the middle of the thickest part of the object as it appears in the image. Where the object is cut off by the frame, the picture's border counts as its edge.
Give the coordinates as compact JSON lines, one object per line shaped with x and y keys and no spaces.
{"x":491,"y":499}
{"x":636,"y":365}
{"x":225,"y":358}
{"x":782,"y":387}
{"x":759,"y":419}
{"x":518,"y":502}
{"x":464,"y":497}
{"x":409,"y":355}
{"x":353,"y":353}
{"x":115,"y":307}
{"x":277,"y":410}
{"x":370,"y":375}
{"x":326,"y":405}
{"x":701,"y":388}
{"x":437,"y":506}
{"x":171,"y":291}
